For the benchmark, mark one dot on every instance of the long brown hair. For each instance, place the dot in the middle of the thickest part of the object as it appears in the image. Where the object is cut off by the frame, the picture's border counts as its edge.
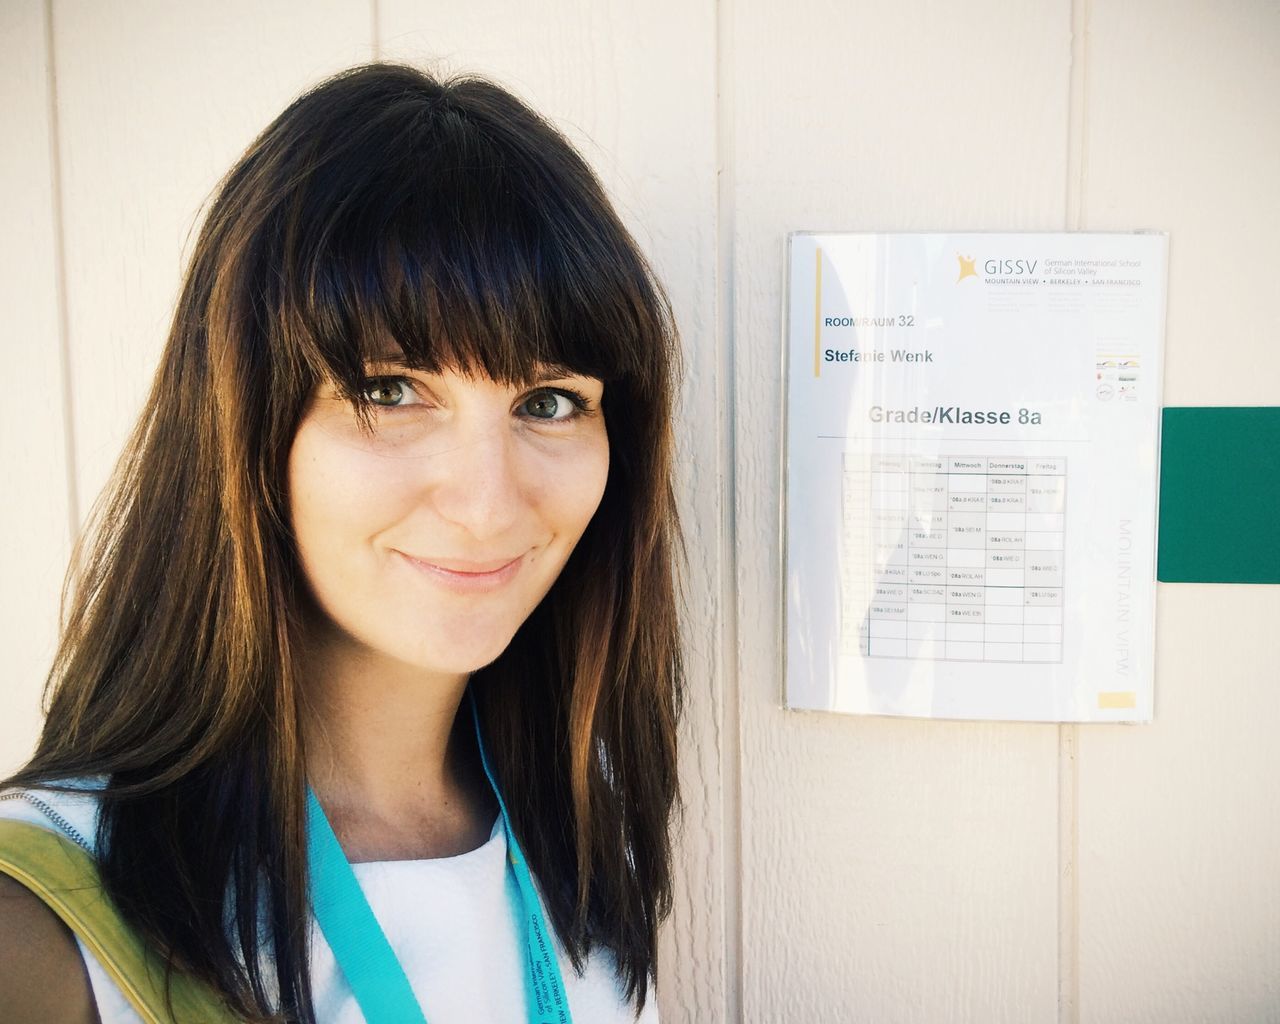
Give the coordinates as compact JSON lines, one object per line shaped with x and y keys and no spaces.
{"x":448,"y":216}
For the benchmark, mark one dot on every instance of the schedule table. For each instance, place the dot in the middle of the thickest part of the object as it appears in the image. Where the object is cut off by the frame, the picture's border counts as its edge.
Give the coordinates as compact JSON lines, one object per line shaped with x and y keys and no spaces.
{"x":953,"y":557}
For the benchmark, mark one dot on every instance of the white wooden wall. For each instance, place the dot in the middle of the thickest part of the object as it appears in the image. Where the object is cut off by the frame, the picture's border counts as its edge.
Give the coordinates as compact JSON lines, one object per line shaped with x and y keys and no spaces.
{"x":832,"y":868}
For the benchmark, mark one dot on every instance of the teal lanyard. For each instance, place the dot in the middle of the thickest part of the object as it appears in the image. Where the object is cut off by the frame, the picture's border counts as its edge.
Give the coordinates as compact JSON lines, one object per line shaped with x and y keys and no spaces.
{"x":366,"y":958}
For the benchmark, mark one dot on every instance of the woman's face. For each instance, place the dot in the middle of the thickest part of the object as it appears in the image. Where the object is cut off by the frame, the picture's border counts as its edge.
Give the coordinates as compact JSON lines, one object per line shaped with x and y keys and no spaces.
{"x":430,"y":539}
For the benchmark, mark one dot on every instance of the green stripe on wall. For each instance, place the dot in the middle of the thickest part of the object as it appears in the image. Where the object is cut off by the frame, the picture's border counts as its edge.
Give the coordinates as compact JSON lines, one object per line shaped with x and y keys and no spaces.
{"x":1219,"y":495}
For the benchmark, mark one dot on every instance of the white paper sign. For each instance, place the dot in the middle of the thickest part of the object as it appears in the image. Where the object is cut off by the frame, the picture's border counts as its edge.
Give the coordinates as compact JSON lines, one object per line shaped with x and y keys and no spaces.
{"x":971,"y":465}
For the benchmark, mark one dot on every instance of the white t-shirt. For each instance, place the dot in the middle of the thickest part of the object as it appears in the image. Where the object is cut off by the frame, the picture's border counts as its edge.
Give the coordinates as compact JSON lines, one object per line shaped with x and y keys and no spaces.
{"x":448,"y":919}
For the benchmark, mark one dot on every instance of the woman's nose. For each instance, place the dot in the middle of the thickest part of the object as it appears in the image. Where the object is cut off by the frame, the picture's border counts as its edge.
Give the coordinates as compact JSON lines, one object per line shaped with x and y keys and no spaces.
{"x":476,"y":482}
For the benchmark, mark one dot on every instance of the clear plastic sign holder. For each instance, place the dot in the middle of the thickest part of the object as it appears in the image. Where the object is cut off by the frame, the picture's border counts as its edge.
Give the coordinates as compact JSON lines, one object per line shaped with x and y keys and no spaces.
{"x":970,"y":465}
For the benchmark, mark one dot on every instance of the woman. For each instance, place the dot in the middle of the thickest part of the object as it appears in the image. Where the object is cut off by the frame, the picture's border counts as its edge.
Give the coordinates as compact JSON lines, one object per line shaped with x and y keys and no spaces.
{"x":373,"y":569}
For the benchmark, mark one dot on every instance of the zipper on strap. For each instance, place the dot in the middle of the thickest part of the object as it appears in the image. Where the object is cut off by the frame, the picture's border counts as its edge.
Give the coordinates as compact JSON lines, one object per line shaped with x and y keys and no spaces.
{"x":48,"y":810}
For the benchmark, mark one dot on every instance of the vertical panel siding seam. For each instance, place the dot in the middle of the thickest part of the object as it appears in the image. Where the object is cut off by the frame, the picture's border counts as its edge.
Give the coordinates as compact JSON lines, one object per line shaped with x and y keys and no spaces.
{"x":1077,"y":113}
{"x":70,"y":467}
{"x":1068,"y":734}
{"x":375,"y":29}
{"x":731,"y":691}
{"x":1068,"y":879}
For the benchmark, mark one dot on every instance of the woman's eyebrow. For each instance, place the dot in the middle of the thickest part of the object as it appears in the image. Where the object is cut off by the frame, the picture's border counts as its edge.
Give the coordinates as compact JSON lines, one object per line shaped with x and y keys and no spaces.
{"x":553,"y":371}
{"x":392,"y":358}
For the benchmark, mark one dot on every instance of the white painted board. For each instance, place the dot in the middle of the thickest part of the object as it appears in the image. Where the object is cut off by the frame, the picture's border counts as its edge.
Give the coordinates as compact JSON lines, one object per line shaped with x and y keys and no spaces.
{"x":972,"y":438}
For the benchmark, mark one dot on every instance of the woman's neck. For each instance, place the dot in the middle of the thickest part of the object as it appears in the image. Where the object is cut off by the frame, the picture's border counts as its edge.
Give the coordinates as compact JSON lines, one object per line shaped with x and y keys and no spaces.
{"x":392,"y":757}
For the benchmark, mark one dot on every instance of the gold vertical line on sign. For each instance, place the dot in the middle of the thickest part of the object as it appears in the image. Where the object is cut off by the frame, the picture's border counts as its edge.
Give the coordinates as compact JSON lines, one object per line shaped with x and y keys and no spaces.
{"x":817,"y":315}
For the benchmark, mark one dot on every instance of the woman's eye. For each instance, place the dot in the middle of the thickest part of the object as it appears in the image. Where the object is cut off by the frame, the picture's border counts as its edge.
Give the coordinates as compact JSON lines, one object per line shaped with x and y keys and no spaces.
{"x":388,"y":392}
{"x":554,"y":405}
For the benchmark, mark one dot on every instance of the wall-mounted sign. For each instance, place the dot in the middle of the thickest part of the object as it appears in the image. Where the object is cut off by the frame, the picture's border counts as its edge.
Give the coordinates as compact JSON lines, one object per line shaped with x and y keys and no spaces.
{"x":971,"y":465}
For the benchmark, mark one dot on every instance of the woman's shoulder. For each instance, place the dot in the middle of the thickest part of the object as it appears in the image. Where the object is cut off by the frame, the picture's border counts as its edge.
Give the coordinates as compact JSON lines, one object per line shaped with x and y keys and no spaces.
{"x":71,"y":811}
{"x":42,"y":973}
{"x":598,"y":994}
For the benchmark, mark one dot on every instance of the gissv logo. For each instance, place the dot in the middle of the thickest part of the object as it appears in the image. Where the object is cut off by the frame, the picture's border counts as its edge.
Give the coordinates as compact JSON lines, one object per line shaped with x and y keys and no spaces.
{"x":998,"y":271}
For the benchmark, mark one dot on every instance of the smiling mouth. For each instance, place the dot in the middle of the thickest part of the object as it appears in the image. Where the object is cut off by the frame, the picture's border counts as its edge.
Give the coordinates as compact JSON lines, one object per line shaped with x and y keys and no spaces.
{"x":467,"y":576}
{"x":465,"y":568}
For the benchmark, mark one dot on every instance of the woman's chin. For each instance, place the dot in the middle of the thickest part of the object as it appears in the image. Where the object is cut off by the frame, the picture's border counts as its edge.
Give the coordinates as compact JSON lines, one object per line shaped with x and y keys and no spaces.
{"x":457,"y":658}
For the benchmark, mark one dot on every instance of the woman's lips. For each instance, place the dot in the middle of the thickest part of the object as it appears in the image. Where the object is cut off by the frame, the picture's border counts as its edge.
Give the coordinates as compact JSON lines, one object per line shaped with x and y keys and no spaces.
{"x":466,"y":580}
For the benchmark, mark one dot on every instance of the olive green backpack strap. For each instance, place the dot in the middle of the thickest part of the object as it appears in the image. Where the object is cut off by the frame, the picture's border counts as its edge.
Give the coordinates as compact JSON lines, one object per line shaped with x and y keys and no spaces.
{"x":65,"y":877}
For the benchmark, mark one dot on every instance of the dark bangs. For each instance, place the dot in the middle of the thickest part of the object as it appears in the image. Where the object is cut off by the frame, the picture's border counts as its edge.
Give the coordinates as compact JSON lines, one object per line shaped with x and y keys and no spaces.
{"x":429,"y":231}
